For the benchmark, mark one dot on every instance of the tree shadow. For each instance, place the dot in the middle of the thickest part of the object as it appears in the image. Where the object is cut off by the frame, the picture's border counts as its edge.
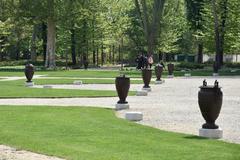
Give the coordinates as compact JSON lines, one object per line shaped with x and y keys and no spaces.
{"x":192,"y":137}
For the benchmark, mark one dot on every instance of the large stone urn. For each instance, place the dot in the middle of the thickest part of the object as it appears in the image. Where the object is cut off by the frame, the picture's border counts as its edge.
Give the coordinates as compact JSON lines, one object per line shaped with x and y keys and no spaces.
{"x":122,"y":86}
{"x":29,"y":72}
{"x":158,"y":71}
{"x":210,"y":103}
{"x":146,"y":76}
{"x":170,"y":69}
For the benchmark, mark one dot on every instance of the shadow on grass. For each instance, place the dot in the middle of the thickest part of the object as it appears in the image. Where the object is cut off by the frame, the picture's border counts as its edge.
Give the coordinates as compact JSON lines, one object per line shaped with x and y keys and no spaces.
{"x":192,"y":137}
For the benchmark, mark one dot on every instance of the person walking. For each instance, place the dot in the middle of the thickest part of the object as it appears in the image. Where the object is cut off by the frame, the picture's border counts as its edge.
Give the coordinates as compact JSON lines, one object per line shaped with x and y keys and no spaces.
{"x":150,"y":61}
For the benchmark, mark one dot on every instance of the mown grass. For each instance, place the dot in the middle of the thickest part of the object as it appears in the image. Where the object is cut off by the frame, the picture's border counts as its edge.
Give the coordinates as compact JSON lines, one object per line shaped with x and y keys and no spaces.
{"x":85,"y":81}
{"x":17,"y":89}
{"x":78,"y":133}
{"x":114,"y":73}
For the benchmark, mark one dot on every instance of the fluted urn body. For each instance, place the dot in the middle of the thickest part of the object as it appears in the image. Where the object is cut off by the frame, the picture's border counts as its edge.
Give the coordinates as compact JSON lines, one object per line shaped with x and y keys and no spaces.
{"x":210,"y":102}
{"x":122,"y":86}
{"x":170,"y":68}
{"x":29,"y":72}
{"x":158,"y":71}
{"x":146,"y":75}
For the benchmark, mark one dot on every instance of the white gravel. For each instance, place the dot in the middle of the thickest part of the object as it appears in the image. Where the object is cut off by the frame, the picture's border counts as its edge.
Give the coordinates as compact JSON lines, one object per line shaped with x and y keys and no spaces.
{"x":110,"y":87}
{"x":171,"y":106}
{"x":8,"y":153}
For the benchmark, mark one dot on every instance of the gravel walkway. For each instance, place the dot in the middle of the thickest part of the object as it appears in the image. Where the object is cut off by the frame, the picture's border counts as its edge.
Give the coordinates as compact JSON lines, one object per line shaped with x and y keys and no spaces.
{"x":8,"y":153}
{"x":171,"y":106}
{"x":110,"y":87}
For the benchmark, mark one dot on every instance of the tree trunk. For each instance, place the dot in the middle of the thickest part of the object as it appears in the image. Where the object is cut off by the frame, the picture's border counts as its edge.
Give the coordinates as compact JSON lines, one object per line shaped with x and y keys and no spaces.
{"x":217,"y":34}
{"x":150,"y":28}
{"x":97,"y":57}
{"x":51,"y":35}
{"x":119,"y":53}
{"x":44,"y":39}
{"x":102,"y":56}
{"x":17,"y":51}
{"x":222,"y":29}
{"x":113,"y":54}
{"x":33,"y":44}
{"x":200,"y":53}
{"x":73,"y":46}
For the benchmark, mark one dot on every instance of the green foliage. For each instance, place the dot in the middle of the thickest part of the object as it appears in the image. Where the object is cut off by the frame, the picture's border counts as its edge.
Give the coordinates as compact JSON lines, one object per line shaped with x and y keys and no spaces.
{"x":232,"y":65}
{"x":188,"y":65}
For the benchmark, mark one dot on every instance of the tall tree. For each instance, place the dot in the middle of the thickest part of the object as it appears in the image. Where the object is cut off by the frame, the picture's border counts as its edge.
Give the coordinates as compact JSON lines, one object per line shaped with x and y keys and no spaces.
{"x":194,"y":16}
{"x":150,"y":20}
{"x":51,"y":35}
{"x":219,"y":11}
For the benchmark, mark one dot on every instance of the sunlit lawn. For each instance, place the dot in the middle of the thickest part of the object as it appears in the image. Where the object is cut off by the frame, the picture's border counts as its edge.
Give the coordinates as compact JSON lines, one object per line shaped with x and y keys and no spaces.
{"x":77,"y":133}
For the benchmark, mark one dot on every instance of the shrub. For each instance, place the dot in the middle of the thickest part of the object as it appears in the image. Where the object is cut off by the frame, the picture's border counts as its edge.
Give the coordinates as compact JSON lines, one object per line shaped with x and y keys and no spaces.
{"x":188,"y":65}
{"x":232,"y":65}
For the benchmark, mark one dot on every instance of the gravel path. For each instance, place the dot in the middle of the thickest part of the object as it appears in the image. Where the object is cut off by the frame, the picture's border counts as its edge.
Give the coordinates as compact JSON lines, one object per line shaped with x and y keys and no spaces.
{"x":110,"y":87}
{"x":8,"y":153}
{"x":171,"y":106}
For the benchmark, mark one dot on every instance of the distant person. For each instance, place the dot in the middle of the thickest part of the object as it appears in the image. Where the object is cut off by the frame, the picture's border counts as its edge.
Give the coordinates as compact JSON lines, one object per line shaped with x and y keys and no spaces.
{"x":161,"y":62}
{"x":150,"y":61}
{"x":145,"y":61}
{"x":139,"y":62}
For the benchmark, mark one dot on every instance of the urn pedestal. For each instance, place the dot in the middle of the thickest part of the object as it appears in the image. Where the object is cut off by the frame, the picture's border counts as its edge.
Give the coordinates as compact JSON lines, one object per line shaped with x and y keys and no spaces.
{"x":210,"y":102}
{"x":122,"y":84}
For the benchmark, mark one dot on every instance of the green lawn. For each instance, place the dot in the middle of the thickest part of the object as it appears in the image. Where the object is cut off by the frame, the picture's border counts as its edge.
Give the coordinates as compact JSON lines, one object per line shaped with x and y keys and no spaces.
{"x":78,"y":133}
{"x":77,"y":73}
{"x":16,"y":89}
{"x":85,"y":81}
{"x":114,"y":73}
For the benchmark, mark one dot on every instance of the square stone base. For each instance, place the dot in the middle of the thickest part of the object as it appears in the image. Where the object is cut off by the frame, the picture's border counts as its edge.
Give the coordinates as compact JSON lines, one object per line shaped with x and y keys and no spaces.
{"x":147,"y":89}
{"x":47,"y":86}
{"x":211,"y":133}
{"x":134,"y":116}
{"x":215,"y":74}
{"x":77,"y":82}
{"x":170,"y":76}
{"x":29,"y":84}
{"x":159,"y":82}
{"x":187,"y":75}
{"x":119,"y":106}
{"x":142,"y":93}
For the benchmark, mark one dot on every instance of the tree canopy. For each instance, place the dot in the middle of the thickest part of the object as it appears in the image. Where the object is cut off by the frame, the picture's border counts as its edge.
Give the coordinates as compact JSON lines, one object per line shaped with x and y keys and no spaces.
{"x":111,"y":31}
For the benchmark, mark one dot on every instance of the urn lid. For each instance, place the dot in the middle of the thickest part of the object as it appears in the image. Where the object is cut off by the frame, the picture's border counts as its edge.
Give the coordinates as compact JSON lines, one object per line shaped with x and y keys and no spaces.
{"x":123,"y":76}
{"x":215,"y":86}
{"x":29,"y":65}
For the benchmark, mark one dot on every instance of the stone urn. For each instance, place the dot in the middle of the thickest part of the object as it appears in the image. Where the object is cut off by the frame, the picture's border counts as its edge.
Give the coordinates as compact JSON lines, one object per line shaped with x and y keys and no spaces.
{"x":86,"y":65}
{"x":158,"y":71}
{"x":210,"y":103}
{"x":170,"y":69}
{"x":122,"y":86}
{"x":29,"y":72}
{"x":146,"y":75}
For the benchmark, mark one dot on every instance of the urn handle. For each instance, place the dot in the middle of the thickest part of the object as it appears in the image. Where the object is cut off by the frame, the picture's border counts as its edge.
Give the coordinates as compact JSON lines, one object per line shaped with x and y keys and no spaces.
{"x":216,"y":84}
{"x":205,"y":83}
